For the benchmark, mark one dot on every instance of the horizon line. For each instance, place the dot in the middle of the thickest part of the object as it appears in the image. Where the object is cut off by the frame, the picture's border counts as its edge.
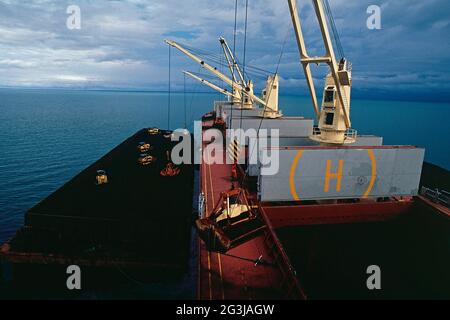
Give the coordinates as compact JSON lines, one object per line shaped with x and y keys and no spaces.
{"x":357,"y":94}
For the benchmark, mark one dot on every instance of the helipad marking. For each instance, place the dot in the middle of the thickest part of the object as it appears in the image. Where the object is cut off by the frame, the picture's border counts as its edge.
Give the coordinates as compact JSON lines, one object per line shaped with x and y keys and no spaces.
{"x":300,"y":153}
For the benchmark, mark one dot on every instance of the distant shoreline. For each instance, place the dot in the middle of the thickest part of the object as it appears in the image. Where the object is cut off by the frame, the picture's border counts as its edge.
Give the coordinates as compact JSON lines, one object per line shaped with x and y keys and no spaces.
{"x":104,"y":90}
{"x":356,"y":95}
{"x":128,"y":91}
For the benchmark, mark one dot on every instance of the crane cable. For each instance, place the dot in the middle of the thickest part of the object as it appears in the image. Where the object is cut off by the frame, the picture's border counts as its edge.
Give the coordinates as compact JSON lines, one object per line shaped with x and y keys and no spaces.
{"x":184,"y":100}
{"x":234,"y":55}
{"x":218,"y":59}
{"x":193,"y":93}
{"x":169,"y":93}
{"x":243,"y":63}
{"x":334,"y":31}
{"x":268,"y":96}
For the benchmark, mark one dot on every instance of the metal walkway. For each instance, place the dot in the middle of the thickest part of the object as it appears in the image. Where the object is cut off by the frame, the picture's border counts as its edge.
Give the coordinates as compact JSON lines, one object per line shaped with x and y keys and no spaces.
{"x":239,"y":273}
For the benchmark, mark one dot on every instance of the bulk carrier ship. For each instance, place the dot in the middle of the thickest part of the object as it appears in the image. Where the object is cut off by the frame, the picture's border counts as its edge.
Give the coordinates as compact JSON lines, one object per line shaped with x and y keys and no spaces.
{"x":260,"y":234}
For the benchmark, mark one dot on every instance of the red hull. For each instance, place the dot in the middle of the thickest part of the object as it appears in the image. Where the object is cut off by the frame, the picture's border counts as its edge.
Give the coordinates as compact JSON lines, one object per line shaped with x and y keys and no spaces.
{"x":296,"y":215}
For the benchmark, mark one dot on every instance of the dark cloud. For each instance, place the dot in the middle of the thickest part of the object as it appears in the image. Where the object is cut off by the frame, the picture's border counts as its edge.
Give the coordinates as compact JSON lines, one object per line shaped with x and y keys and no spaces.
{"x":120,"y":44}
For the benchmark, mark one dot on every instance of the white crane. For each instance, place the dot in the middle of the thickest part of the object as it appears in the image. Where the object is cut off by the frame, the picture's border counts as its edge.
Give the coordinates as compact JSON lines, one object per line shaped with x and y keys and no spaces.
{"x":244,"y":93}
{"x":232,"y":64}
{"x":334,"y":117}
{"x":270,"y":92}
{"x":233,"y":96}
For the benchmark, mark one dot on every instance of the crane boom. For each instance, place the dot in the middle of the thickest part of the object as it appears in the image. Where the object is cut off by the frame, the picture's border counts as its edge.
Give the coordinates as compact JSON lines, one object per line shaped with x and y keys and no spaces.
{"x":229,"y":55}
{"x":303,"y":54}
{"x":334,"y":117}
{"x":211,"y":85}
{"x":230,"y":65}
{"x":236,"y":86}
{"x":211,"y":69}
{"x":330,"y":52}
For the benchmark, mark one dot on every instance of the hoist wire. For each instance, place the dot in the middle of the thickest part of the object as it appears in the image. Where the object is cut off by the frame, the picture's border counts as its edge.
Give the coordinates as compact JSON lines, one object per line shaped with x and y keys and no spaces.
{"x":194,"y":92}
{"x":234,"y":55}
{"x":243,"y":64}
{"x":219,"y":82}
{"x":219,"y":61}
{"x":334,"y":31}
{"x":268,"y":96}
{"x":184,"y":101}
{"x":218,"y":58}
{"x":169,"y":93}
{"x":332,"y":24}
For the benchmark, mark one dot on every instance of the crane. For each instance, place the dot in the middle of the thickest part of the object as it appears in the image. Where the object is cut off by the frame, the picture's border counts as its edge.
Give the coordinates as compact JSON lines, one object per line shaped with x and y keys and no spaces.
{"x":270,"y":92}
{"x":233,"y":96}
{"x":334,"y":126}
{"x":244,"y":91}
{"x":232,"y":64}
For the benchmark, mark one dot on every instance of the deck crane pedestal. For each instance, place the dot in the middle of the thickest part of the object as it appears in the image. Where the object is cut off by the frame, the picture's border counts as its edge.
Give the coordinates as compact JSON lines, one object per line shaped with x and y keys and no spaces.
{"x":334,"y":116}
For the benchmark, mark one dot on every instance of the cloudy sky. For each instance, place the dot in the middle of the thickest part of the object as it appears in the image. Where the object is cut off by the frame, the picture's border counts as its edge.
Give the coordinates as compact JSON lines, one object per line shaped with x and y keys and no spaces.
{"x":120,"y":43}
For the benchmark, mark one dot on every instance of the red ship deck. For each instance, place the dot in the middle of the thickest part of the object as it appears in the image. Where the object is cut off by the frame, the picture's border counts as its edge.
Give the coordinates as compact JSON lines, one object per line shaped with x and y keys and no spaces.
{"x":235,"y":275}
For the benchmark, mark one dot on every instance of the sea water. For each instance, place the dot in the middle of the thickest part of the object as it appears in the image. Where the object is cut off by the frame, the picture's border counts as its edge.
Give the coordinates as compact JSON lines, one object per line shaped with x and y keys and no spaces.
{"x":48,"y":136}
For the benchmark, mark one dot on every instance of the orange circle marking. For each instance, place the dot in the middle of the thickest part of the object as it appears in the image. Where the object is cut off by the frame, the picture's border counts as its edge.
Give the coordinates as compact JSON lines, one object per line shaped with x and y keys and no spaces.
{"x":374,"y":172}
{"x":292,"y":175}
{"x":300,"y":153}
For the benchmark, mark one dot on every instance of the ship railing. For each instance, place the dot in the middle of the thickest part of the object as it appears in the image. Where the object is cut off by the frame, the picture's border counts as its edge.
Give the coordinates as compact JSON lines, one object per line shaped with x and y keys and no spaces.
{"x":349,"y":133}
{"x":201,"y":204}
{"x":218,"y":105}
{"x":436,"y":195}
{"x":289,"y":282}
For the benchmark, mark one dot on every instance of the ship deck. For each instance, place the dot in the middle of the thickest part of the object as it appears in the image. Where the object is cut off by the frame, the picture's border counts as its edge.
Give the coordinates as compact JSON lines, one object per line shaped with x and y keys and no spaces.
{"x":236,"y":275}
{"x":82,"y":210}
{"x":329,"y":246}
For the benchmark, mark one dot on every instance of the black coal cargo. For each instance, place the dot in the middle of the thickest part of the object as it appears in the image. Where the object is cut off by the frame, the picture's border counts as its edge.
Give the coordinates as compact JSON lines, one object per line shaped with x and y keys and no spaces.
{"x":133,"y":203}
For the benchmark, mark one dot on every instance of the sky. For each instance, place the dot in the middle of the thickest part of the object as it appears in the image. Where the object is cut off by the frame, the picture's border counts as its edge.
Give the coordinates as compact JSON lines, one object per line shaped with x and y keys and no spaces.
{"x":120,"y":44}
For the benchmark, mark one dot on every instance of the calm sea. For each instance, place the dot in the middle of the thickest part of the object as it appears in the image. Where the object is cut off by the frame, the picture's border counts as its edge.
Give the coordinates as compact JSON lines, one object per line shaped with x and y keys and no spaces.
{"x":48,"y":136}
